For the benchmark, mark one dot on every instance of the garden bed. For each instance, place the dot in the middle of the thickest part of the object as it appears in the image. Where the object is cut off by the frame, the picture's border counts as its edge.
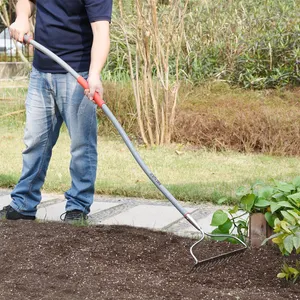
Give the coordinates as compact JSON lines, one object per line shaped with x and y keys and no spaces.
{"x":60,"y":261}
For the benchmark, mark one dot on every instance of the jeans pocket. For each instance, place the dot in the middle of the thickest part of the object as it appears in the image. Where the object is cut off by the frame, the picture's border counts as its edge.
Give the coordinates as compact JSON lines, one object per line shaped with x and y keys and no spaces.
{"x":86,"y":107}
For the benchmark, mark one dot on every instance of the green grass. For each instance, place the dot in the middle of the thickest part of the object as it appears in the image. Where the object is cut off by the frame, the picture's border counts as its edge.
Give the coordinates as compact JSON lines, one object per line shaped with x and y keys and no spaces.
{"x":189,"y":175}
{"x":12,"y":92}
{"x":12,"y":99}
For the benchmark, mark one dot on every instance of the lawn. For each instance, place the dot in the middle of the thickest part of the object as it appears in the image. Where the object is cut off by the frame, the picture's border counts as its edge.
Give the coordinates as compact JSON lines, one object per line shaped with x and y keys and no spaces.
{"x":190,"y":175}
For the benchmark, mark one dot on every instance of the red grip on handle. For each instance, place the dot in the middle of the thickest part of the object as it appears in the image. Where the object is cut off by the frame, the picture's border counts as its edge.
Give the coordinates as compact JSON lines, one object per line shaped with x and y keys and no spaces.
{"x":85,"y":85}
{"x":98,"y":99}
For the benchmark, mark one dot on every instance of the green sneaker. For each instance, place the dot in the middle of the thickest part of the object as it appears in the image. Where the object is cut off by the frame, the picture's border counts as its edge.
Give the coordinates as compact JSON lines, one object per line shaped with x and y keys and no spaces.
{"x":75,"y":217}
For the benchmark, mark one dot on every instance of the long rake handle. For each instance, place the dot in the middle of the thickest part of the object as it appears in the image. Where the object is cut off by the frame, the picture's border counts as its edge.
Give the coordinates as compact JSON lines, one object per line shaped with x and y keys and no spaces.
{"x":109,"y":114}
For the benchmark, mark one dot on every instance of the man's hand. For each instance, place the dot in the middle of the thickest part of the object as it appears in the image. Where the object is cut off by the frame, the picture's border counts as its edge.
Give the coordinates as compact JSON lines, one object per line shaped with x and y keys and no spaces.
{"x":19,"y":28}
{"x":95,"y":85}
{"x":24,"y":10}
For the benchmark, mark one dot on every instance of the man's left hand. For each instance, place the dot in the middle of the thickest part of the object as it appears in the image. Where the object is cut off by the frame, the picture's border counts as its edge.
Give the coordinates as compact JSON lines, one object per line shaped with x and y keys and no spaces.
{"x":95,"y":86}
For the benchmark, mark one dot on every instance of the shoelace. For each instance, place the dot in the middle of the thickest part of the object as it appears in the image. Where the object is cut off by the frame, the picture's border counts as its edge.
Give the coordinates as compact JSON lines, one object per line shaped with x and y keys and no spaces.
{"x":71,"y":213}
{"x":62,"y":216}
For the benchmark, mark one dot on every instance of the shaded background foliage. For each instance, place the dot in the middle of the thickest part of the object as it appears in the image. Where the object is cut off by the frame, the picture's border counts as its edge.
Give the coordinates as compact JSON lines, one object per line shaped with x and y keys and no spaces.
{"x":250,"y":43}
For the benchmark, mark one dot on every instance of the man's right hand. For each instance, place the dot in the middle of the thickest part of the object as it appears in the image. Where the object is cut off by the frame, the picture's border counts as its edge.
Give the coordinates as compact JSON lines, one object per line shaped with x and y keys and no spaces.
{"x":19,"y":28}
{"x":24,"y":10}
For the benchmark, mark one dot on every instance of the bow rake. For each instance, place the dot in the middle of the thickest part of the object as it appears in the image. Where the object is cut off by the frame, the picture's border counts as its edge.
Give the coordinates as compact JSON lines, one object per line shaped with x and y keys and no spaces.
{"x":135,"y":154}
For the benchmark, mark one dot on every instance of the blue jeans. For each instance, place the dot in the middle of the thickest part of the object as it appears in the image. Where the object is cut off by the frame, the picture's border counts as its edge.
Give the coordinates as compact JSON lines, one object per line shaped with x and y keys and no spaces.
{"x":51,"y":100}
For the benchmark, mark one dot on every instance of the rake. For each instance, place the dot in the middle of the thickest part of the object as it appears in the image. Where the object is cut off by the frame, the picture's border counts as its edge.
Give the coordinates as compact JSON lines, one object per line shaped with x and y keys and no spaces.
{"x":198,"y":263}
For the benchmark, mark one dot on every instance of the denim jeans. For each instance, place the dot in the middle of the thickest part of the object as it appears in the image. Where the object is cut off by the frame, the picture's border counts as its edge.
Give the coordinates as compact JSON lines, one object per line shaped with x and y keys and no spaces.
{"x":51,"y":100}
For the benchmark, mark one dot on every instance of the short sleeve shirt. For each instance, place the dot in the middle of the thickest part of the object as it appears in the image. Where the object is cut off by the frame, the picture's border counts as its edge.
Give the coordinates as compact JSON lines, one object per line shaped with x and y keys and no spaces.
{"x":64,"y":27}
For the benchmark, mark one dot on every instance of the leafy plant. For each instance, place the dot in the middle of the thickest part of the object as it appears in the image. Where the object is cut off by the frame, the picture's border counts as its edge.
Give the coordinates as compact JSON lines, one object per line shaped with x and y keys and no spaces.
{"x":280,"y":204}
{"x":290,"y":273}
{"x":277,"y":202}
{"x":226,"y":223}
{"x":287,"y":237}
{"x":287,"y":232}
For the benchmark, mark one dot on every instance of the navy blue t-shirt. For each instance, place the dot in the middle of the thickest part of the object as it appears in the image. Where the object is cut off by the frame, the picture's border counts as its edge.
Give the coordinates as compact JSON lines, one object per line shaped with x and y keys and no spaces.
{"x":63,"y":26}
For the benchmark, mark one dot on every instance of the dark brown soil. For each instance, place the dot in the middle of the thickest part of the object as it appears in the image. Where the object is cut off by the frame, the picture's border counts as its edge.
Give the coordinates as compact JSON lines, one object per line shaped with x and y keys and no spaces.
{"x":60,"y":261}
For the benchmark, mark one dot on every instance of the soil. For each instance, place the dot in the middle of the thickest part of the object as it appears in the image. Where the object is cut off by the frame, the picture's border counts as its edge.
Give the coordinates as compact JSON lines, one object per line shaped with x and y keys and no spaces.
{"x":60,"y":261}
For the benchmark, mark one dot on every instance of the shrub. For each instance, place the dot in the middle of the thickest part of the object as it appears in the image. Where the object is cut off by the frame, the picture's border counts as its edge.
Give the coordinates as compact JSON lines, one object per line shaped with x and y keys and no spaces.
{"x":250,"y":43}
{"x":280,"y":203}
{"x":239,"y":120}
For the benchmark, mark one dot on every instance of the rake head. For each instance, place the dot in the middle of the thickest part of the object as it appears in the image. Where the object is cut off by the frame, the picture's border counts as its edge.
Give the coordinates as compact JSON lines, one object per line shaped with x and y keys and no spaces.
{"x":220,"y":259}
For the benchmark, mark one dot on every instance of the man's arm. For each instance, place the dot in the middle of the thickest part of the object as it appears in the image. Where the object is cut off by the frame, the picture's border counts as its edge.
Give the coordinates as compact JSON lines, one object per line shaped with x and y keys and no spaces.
{"x":21,"y":26}
{"x":99,"y":53}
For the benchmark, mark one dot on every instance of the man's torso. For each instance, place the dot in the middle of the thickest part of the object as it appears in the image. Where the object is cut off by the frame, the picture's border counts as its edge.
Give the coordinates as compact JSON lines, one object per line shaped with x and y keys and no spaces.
{"x":64,"y":27}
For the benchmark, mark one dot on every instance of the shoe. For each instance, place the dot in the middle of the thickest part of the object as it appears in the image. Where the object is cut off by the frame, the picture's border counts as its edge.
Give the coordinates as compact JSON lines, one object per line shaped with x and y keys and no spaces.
{"x":9,"y":213}
{"x":74,"y":216}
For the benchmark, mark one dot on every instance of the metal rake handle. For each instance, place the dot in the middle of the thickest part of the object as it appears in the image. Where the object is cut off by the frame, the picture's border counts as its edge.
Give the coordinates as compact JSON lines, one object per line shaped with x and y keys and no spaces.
{"x":119,"y":128}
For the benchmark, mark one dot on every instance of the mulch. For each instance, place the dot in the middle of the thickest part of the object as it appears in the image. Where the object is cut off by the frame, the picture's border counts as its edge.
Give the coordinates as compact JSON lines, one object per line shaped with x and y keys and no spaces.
{"x":52,"y":260}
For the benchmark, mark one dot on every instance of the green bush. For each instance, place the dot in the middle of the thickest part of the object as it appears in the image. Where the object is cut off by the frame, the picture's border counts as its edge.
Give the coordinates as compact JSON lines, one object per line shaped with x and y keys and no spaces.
{"x":280,"y":203}
{"x":251,"y":43}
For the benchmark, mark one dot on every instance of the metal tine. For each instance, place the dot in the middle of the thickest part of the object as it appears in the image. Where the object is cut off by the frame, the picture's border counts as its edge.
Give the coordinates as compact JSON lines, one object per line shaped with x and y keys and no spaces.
{"x":208,"y":263}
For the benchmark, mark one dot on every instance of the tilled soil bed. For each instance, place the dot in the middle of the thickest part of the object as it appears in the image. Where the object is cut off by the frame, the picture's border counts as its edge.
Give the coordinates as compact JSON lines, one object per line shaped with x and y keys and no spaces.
{"x":60,"y":261}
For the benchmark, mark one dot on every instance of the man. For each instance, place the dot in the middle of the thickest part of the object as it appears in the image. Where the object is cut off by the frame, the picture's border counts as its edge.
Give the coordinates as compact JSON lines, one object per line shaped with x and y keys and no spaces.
{"x":78,"y":32}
